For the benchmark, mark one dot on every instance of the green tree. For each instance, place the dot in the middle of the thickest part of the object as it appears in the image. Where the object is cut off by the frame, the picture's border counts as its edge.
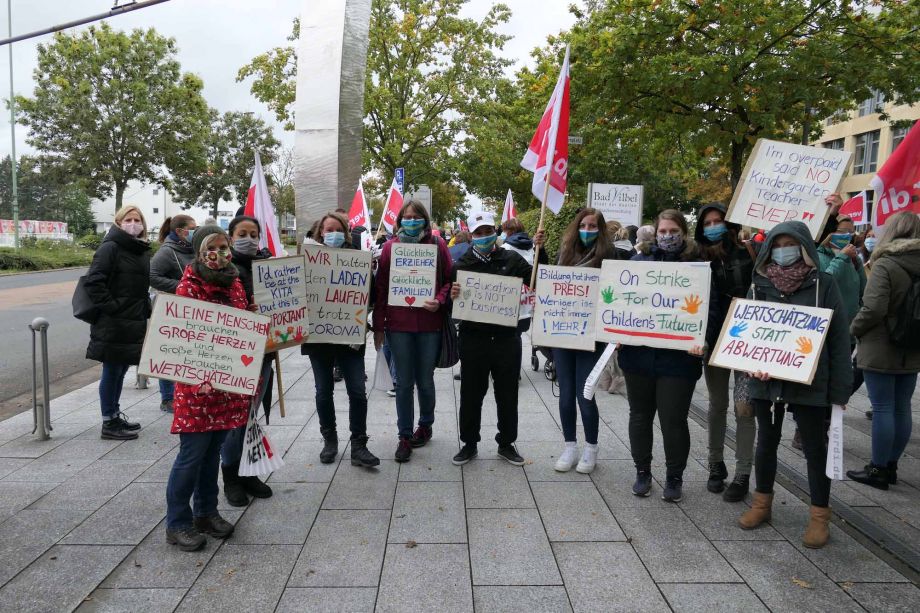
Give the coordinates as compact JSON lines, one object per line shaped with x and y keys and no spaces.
{"x":46,"y":192}
{"x":280,"y":176}
{"x":224,"y":171}
{"x":275,"y":78}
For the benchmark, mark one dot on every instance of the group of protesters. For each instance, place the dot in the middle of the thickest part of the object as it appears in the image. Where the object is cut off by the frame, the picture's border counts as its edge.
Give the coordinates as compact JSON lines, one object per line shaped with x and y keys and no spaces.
{"x":864,"y":280}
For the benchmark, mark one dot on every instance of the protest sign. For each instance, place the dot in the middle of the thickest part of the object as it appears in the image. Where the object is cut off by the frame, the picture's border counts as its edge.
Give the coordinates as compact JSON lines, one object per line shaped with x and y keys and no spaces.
{"x":488,"y":299}
{"x":259,"y":455}
{"x":622,"y":203}
{"x":192,"y":341}
{"x":280,"y":291}
{"x":413,"y":274}
{"x":566,"y":307}
{"x":528,"y":299}
{"x":656,"y":304}
{"x":338,"y":284}
{"x":787,"y":182}
{"x":782,"y":340}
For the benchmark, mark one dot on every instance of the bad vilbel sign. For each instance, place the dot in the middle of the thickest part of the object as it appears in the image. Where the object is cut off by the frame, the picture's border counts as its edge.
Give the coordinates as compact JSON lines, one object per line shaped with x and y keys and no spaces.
{"x":656,"y":304}
{"x":191,"y":341}
{"x":622,"y":203}
{"x":565,"y":307}
{"x":280,"y":290}
{"x":338,"y":282}
{"x":782,"y":340}
{"x":413,"y":271}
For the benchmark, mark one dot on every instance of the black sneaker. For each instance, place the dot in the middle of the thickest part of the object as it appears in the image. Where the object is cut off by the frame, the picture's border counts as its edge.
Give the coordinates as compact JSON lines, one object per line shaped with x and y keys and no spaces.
{"x":215,"y":526}
{"x":737,"y":489}
{"x":166,"y":406}
{"x":510,"y":454}
{"x":403,"y":450}
{"x":643,"y":484}
{"x":467,"y":453}
{"x":421,"y":436}
{"x":361,"y":455}
{"x":673,"y":490}
{"x":717,"y":476}
{"x":114,"y":430}
{"x":188,"y":539}
{"x":129,"y":425}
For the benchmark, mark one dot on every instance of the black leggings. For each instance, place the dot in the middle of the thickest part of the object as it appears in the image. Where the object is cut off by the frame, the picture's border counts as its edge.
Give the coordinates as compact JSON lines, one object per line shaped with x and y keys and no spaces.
{"x":813,"y":429}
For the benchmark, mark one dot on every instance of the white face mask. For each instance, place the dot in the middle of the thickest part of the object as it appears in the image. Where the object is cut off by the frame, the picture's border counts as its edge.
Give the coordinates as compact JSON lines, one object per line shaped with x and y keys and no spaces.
{"x":134,"y":228}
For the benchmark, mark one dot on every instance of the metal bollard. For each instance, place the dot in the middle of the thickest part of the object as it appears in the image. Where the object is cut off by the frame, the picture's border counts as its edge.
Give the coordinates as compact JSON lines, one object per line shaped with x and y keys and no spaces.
{"x":41,"y":410}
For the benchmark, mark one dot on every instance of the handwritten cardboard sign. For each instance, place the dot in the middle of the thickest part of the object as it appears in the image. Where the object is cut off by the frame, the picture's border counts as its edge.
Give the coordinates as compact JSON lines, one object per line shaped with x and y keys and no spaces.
{"x":787,"y":182}
{"x":488,"y":299}
{"x":783,"y":340}
{"x":622,"y":203}
{"x":192,"y":341}
{"x":656,"y":304}
{"x":566,"y":307}
{"x":280,"y":290}
{"x":338,"y":284}
{"x":413,"y":274}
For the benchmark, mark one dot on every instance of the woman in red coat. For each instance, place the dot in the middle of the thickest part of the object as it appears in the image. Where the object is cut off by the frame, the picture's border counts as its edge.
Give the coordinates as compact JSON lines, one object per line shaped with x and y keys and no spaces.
{"x":203,"y":415}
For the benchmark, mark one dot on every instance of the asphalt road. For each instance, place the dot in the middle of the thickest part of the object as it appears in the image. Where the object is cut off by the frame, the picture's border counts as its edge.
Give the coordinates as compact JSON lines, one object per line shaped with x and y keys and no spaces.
{"x":23,"y":298}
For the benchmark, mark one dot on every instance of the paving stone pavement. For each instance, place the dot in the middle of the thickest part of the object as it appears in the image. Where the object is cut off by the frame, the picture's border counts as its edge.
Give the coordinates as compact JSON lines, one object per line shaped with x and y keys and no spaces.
{"x":81,"y":522}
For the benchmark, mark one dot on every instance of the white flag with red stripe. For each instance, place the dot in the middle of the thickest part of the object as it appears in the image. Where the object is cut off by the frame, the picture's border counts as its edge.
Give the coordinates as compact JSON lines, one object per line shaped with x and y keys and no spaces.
{"x":510,"y":211}
{"x":855,"y":209}
{"x":259,"y":206}
{"x":357,"y":214}
{"x":548,"y":153}
{"x":392,"y":207}
{"x":897,"y":184}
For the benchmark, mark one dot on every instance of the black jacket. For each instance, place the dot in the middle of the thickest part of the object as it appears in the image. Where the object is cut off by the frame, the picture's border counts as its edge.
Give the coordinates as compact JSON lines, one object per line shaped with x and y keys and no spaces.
{"x":118,"y":282}
{"x":502,"y":262}
{"x":243,"y":264}
{"x":731,"y":274}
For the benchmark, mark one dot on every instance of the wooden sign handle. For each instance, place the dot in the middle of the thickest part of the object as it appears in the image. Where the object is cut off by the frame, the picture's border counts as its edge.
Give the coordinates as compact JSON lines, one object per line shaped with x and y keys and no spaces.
{"x":280,"y":385}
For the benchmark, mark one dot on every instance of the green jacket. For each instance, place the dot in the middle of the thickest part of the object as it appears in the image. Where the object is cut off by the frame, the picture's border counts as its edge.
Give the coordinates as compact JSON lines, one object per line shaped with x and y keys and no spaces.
{"x":833,"y":380}
{"x":850,"y":277}
{"x":893,"y":263}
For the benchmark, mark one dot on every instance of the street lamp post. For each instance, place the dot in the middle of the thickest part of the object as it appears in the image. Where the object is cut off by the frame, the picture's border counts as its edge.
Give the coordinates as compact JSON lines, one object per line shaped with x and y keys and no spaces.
{"x":15,"y":195}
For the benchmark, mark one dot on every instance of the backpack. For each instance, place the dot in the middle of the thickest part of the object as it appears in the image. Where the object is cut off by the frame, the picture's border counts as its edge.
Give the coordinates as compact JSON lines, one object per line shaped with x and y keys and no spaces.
{"x":905,"y":330}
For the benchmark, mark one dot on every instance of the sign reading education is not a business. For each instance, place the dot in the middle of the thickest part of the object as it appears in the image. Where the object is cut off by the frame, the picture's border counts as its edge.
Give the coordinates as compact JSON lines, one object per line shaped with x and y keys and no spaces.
{"x":566,"y":305}
{"x":783,"y":340}
{"x":656,"y":304}
{"x":413,"y":274}
{"x":192,"y":341}
{"x":338,"y":284}
{"x":787,"y":182}
{"x":622,"y":203}
{"x":280,"y":291}
{"x":488,"y":299}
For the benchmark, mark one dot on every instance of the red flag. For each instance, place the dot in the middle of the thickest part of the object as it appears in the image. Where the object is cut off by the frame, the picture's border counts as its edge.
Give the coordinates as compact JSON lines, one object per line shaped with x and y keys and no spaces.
{"x":392,"y":207}
{"x":357,"y":214}
{"x":897,"y":184}
{"x":462,"y":225}
{"x":549,"y":148}
{"x":855,"y":209}
{"x":510,"y":211}
{"x":259,"y":206}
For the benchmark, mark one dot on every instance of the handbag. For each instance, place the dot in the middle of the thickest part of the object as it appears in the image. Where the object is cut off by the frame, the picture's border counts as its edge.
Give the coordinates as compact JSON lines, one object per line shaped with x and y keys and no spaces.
{"x":450,"y":346}
{"x":83,"y":306}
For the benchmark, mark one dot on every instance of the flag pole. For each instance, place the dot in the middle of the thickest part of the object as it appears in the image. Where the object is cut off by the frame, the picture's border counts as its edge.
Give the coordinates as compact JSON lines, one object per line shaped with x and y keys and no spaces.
{"x":280,"y":384}
{"x":536,"y":251}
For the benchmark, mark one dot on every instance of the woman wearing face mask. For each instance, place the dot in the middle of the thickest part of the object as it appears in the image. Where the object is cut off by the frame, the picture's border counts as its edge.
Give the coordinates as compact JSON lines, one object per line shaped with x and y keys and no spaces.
{"x":732,"y":267}
{"x":118,"y":283}
{"x":869,"y":243}
{"x":244,"y":250}
{"x":332,"y":232}
{"x":586,"y":244}
{"x":662,"y":380}
{"x":203,"y":415}
{"x":786,"y":271}
{"x":166,"y":268}
{"x":413,"y":334}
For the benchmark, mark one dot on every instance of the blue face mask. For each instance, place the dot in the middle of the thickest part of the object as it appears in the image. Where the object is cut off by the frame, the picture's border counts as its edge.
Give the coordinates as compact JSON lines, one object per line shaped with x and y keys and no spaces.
{"x":840,"y":240}
{"x":188,"y":238}
{"x":786,"y":256}
{"x":715,"y":233}
{"x":484,"y":244}
{"x":587,"y":237}
{"x":870,"y":243}
{"x":412,"y":227}
{"x":334,"y":239}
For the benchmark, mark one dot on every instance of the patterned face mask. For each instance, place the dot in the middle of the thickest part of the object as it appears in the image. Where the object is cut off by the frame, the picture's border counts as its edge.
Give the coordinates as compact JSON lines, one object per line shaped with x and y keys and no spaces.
{"x":670,"y":243}
{"x":217,"y":260}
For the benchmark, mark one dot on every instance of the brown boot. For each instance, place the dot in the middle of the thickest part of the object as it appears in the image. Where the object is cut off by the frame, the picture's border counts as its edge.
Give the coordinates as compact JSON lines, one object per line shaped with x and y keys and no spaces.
{"x":759,"y":512}
{"x":817,"y":533}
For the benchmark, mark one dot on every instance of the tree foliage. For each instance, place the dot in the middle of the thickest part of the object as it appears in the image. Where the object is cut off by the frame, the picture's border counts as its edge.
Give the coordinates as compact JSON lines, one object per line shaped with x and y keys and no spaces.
{"x":45,"y":192}
{"x":275,"y":78}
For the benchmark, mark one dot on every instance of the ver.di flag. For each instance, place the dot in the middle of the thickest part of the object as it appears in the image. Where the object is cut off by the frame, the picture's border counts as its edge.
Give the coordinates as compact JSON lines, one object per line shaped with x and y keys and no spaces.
{"x":897,"y":184}
{"x":548,"y":153}
{"x":855,"y":209}
{"x":259,"y":206}
{"x":359,"y":217}
{"x":392,"y":207}
{"x":510,"y":211}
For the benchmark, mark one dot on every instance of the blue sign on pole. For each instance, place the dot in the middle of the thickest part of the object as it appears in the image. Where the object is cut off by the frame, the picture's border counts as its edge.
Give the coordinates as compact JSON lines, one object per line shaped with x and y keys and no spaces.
{"x":401,"y":180}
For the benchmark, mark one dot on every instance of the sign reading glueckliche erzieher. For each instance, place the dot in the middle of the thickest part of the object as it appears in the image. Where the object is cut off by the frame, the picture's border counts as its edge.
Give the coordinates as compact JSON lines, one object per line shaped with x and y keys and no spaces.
{"x":413,"y":274}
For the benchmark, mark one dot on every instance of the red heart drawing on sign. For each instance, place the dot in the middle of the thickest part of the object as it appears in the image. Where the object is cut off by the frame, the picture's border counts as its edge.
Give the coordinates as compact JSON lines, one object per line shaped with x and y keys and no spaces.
{"x":246,"y":360}
{"x":410,"y":300}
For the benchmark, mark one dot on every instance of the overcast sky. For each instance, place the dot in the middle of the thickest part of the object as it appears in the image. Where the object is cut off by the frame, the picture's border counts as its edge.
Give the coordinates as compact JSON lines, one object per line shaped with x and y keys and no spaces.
{"x":216,"y":37}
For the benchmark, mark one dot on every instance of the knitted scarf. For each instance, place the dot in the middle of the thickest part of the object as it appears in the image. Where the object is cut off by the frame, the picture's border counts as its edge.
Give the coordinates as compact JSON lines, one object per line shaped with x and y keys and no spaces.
{"x":788,"y":279}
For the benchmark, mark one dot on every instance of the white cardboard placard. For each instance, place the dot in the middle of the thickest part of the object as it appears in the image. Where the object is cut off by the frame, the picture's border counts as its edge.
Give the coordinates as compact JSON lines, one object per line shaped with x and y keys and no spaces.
{"x":566,"y":307}
{"x":338,"y":287}
{"x":413,"y":274}
{"x":280,"y":291}
{"x":488,"y":299}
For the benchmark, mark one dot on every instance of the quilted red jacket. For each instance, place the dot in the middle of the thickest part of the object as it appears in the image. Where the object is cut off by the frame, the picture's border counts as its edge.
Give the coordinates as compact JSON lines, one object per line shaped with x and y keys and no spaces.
{"x":214,"y":410}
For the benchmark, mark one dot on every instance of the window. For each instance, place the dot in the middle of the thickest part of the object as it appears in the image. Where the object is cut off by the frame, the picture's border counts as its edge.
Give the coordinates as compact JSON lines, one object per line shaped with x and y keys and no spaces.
{"x":873,"y":104}
{"x":897,"y":135}
{"x":866,"y":152}
{"x":836,"y":144}
{"x":155,"y":210}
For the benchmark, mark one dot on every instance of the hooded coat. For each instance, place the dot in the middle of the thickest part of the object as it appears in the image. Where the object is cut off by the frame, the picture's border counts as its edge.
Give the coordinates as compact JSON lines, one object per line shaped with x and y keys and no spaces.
{"x":833,"y":380}
{"x":893,"y":265}
{"x":118,"y":283}
{"x":520,"y":243}
{"x":731,"y":275}
{"x":168,"y":264}
{"x":849,"y":275}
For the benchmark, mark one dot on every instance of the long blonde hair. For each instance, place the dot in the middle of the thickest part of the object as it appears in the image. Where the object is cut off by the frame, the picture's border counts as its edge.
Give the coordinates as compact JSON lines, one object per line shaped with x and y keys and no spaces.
{"x":128,"y":208}
{"x":902,"y":225}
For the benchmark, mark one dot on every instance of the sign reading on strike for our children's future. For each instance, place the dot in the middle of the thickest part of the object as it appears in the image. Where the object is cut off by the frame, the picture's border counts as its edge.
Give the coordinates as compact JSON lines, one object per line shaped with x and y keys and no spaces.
{"x":566,"y":307}
{"x":488,"y":299}
{"x":787,"y":182}
{"x":413,"y":273}
{"x":782,"y":340}
{"x":280,"y":291}
{"x":622,"y":203}
{"x":192,"y":341}
{"x":656,"y":304}
{"x":338,"y":283}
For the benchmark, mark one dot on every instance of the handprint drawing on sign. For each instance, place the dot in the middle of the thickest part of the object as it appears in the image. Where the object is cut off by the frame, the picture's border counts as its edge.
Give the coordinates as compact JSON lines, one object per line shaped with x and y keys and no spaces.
{"x":692,"y":304}
{"x":607,"y":295}
{"x":804,"y":345}
{"x":737,"y":330}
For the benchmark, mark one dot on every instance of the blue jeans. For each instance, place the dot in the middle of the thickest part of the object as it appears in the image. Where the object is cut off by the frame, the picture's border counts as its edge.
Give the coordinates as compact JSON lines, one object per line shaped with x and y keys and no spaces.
{"x":110,"y":384}
{"x":416,"y":355}
{"x":167,"y":390}
{"x":351,"y":365}
{"x":891,"y":419}
{"x":572,"y":369}
{"x":194,"y":475}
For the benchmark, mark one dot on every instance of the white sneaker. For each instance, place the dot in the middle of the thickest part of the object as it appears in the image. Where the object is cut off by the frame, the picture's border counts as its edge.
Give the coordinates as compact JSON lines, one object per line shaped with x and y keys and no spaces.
{"x":569,"y":457}
{"x":588,"y":459}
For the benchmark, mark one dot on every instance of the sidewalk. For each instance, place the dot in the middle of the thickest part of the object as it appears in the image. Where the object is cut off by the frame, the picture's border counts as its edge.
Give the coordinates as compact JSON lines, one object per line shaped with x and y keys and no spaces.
{"x":81,"y":523}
